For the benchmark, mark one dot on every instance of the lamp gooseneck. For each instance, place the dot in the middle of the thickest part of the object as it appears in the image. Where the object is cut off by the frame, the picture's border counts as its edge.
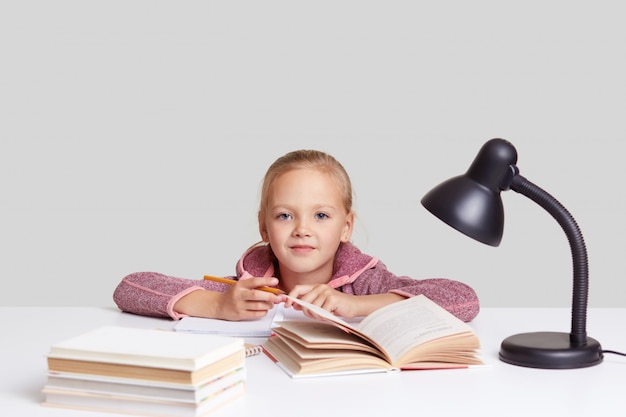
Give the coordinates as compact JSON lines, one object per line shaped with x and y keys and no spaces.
{"x":578,"y":335}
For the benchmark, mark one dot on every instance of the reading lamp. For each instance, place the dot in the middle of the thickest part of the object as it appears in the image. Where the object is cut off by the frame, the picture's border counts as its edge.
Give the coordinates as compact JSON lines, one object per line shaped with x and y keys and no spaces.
{"x":471,"y":204}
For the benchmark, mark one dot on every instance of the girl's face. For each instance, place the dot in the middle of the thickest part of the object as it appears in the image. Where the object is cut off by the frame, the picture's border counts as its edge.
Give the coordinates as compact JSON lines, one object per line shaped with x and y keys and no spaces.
{"x":305,"y":223}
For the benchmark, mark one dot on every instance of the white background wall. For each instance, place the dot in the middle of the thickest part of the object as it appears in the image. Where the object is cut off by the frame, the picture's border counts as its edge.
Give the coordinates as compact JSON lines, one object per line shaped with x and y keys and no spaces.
{"x":134,"y":135}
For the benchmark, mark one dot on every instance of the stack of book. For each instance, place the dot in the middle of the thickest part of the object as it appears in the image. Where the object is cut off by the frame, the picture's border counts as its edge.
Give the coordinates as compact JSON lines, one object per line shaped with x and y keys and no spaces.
{"x":145,"y":372}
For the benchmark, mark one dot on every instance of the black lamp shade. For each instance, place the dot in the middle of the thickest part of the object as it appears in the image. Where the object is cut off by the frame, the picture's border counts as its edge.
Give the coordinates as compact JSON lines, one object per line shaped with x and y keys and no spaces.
{"x":469,"y":207}
{"x":471,"y":203}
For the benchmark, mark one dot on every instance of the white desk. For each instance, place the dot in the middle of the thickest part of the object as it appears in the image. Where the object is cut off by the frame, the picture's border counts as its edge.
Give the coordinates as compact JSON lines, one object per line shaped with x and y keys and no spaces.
{"x":497,"y":390}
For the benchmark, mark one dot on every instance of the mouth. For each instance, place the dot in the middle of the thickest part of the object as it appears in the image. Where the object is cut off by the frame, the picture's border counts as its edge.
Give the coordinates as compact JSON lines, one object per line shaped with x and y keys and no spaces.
{"x":302,"y":249}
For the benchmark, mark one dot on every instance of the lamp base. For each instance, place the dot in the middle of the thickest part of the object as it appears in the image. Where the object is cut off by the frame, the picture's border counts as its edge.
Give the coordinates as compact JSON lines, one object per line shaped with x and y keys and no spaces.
{"x":549,"y":350}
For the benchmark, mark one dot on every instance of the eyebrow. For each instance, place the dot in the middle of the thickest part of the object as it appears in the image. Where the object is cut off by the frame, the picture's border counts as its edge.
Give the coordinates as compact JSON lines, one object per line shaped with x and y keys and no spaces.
{"x":315,"y":208}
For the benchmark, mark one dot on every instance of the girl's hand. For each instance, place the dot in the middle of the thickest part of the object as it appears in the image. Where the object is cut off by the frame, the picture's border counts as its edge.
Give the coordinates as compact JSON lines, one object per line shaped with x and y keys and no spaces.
{"x":323,"y":296}
{"x":338,"y":303}
{"x":242,"y":301}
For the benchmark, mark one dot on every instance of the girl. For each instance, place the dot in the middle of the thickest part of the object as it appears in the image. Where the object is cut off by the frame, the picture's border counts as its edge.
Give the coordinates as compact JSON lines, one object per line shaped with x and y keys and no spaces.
{"x":305,"y":221}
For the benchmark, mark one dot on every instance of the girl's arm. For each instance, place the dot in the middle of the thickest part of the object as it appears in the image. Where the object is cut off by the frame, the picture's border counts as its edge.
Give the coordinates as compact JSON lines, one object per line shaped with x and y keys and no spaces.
{"x":154,"y":294}
{"x":159,"y":295}
{"x":456,"y":297}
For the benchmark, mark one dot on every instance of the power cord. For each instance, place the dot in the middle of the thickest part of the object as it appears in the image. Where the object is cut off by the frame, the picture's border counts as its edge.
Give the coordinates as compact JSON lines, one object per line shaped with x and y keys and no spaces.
{"x":614,"y":352}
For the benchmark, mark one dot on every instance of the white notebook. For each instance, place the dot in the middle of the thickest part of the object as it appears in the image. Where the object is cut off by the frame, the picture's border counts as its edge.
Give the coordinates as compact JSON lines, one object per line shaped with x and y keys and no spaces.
{"x":247,"y":328}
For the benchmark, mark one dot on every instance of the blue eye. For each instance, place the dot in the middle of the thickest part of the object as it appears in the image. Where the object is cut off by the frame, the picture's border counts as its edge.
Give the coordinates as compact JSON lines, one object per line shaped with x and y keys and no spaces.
{"x":321,"y":216}
{"x":284,"y":216}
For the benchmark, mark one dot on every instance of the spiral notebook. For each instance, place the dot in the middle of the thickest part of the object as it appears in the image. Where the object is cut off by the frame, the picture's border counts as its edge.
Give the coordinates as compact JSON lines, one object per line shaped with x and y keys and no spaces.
{"x":245,"y":328}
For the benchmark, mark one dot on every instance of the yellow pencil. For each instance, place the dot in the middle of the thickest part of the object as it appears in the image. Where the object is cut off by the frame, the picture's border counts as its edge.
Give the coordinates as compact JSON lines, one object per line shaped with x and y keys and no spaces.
{"x":276,"y":291}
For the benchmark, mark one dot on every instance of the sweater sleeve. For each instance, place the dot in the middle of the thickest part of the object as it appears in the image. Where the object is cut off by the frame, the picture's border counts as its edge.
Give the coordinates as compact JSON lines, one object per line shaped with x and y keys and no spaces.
{"x":154,"y":294}
{"x":456,"y":297}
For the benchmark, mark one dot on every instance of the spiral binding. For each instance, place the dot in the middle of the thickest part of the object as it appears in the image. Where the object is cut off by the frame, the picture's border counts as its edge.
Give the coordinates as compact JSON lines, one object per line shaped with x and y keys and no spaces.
{"x":252,"y":350}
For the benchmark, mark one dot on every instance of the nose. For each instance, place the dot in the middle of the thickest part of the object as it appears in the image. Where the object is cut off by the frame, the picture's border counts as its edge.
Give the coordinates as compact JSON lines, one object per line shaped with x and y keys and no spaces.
{"x":301,"y":229}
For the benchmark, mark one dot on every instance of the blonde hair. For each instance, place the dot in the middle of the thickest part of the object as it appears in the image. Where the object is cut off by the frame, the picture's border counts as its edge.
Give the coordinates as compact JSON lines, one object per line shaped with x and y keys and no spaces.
{"x":305,"y":158}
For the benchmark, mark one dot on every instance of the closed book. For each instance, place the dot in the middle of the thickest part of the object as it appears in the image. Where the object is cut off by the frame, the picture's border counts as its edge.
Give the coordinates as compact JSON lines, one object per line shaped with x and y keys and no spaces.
{"x":87,"y":401}
{"x":143,"y":389}
{"x":147,"y":347}
{"x":147,"y":354}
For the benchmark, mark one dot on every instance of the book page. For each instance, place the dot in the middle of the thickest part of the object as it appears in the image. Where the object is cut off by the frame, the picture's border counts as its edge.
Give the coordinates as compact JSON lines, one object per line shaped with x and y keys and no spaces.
{"x":290,"y":314}
{"x":401,"y":326}
{"x":325,"y":314}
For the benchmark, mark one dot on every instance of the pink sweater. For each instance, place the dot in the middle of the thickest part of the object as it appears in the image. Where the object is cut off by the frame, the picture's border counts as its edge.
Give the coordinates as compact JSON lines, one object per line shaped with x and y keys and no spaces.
{"x":154,"y":294}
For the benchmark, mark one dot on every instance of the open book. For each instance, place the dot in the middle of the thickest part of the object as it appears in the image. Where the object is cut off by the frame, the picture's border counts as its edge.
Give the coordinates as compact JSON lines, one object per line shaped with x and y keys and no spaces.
{"x":415,"y":333}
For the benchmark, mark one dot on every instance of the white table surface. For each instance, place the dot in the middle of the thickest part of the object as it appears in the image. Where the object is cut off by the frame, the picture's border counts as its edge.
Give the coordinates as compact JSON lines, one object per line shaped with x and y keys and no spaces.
{"x":499,"y":389}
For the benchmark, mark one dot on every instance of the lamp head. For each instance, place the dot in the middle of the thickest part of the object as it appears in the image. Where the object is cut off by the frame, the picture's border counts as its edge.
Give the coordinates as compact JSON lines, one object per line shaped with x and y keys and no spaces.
{"x":471,"y":202}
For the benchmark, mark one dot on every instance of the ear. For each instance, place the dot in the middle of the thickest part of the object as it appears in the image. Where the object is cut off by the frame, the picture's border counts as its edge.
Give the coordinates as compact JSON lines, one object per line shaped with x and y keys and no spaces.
{"x":262,"y":228}
{"x":346,"y":234}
